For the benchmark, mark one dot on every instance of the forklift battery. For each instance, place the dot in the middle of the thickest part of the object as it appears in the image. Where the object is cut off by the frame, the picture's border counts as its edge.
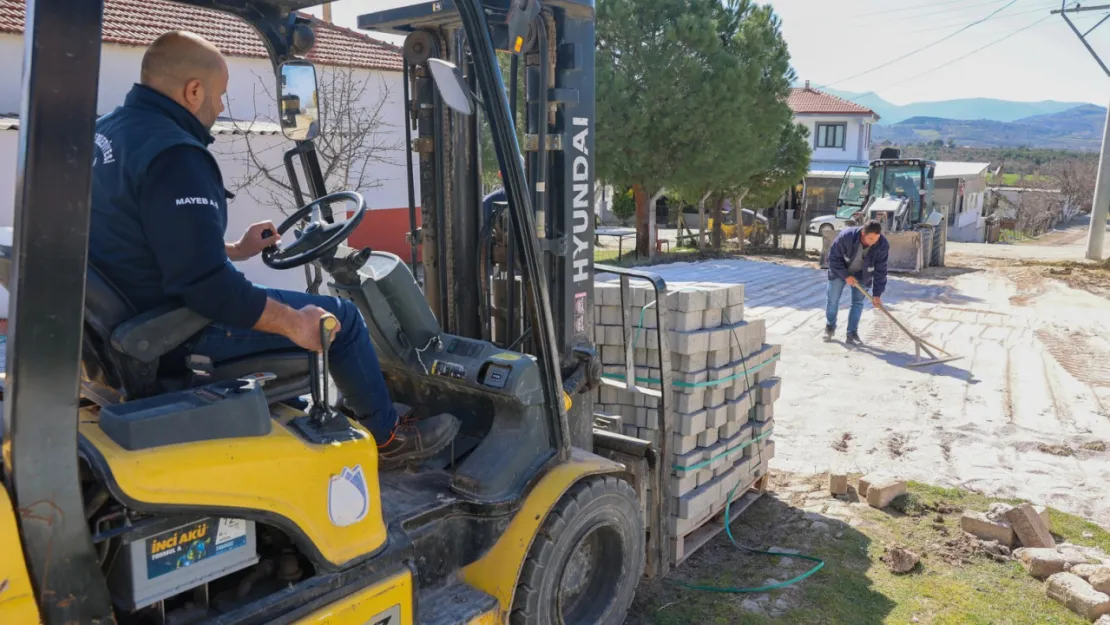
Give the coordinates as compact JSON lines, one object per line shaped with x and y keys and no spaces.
{"x":165,"y":562}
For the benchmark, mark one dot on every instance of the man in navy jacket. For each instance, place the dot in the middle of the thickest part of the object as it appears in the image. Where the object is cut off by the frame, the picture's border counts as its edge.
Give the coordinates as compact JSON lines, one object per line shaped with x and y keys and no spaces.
{"x":159,"y":215}
{"x":858,"y":256}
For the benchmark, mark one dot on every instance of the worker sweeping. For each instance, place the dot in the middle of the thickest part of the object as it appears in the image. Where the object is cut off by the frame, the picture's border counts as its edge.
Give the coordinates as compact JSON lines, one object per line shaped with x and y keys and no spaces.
{"x":858,"y":256}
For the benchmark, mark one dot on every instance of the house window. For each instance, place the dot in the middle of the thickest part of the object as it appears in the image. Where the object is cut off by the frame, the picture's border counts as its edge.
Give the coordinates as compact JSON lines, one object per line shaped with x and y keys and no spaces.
{"x":831,"y":135}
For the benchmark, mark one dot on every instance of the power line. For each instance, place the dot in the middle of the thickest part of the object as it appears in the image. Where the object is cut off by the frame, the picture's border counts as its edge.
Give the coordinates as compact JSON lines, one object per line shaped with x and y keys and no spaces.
{"x":909,"y":8}
{"x":923,"y":48}
{"x":949,"y":10}
{"x":997,"y":19}
{"x":959,"y":58}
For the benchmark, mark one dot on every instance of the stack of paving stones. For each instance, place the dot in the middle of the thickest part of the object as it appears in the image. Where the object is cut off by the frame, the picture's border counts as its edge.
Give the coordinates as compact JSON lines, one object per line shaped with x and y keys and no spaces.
{"x":724,"y":391}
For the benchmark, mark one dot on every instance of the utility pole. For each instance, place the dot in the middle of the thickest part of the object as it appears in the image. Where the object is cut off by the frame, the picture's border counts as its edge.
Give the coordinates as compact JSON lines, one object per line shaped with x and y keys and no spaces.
{"x":327,"y":12}
{"x":1100,"y":208}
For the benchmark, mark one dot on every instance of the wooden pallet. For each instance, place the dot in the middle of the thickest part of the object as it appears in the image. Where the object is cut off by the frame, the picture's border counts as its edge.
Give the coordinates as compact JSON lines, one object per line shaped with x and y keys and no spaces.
{"x":682,"y":547}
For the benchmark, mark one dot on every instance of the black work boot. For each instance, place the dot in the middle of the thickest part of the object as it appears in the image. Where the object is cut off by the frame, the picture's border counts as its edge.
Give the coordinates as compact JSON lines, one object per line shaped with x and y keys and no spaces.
{"x":415,"y":440}
{"x":829,"y":330}
{"x":853,"y":338}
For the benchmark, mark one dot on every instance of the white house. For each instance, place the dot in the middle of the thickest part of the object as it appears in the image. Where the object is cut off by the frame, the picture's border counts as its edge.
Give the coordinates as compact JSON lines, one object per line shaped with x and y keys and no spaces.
{"x":839,"y":135}
{"x":131,"y":25}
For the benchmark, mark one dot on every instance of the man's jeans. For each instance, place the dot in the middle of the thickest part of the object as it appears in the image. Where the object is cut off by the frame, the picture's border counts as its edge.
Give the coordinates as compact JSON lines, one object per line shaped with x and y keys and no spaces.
{"x":351,"y":358}
{"x":832,"y":304}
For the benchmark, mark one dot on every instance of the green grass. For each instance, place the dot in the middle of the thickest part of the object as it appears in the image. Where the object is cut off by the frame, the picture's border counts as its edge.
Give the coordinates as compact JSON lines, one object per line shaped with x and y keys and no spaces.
{"x":1010,"y":180}
{"x":951,"y":586}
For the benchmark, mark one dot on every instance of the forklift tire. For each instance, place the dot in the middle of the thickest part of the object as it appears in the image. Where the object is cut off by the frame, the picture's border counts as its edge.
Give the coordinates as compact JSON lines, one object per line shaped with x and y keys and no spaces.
{"x":586,"y":560}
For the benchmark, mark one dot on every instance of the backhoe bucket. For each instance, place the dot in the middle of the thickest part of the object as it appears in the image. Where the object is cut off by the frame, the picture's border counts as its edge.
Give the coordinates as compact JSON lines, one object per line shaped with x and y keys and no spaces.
{"x":906,"y":255}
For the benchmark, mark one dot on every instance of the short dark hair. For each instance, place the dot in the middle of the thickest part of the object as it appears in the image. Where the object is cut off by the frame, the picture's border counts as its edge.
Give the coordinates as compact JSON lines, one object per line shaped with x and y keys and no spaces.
{"x":873,"y":226}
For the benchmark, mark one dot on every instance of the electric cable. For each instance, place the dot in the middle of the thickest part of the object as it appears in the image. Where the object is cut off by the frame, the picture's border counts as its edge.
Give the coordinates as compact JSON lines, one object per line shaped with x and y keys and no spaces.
{"x":922,"y":48}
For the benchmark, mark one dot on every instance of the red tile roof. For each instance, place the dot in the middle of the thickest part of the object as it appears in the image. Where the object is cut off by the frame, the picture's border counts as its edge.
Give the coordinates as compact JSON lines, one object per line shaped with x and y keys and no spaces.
{"x":807,"y":100}
{"x":139,"y":22}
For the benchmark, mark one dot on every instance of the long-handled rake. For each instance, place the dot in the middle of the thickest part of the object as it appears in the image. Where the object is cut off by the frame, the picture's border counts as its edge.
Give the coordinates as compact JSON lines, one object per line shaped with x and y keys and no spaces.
{"x":919,"y":344}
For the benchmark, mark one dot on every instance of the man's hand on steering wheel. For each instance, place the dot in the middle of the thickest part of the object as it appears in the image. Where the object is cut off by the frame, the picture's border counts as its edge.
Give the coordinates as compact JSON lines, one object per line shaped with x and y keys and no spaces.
{"x":315,"y":237}
{"x":258,"y":237}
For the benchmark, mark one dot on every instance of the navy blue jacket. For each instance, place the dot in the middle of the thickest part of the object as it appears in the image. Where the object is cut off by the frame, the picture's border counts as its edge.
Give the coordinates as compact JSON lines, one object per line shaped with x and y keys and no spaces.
{"x":843,"y":250}
{"x":159,"y":213}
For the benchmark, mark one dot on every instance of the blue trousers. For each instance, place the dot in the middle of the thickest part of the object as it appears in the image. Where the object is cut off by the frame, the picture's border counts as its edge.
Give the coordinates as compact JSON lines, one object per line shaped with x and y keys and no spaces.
{"x":352,"y":361}
{"x":832,"y":304}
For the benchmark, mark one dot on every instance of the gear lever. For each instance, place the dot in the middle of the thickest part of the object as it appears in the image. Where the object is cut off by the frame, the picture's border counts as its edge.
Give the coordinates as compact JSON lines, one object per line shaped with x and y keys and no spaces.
{"x":322,"y":413}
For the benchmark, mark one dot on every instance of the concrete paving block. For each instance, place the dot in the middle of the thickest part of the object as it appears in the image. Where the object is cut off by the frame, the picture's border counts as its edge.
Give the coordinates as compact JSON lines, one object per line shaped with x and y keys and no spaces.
{"x":704,"y":476}
{"x":716,"y":295}
{"x":838,"y":484}
{"x":685,"y":321}
{"x":629,"y":429}
{"x":707,"y":438}
{"x":718,"y":357}
{"x":690,"y":342}
{"x":728,"y":430}
{"x":641,"y":418}
{"x":1078,"y":595}
{"x":683,"y":483}
{"x":684,"y":444}
{"x":1029,"y":527}
{"x":612,"y":355}
{"x":687,"y":459}
{"x":716,"y":395}
{"x":599,"y":333}
{"x":736,"y":295}
{"x":716,"y":416}
{"x":610,"y":395}
{"x":689,"y":362}
{"x":764,"y":412}
{"x":981,"y":526}
{"x":647,"y":339}
{"x":638,"y":400}
{"x":687,"y":403}
{"x":711,"y":318}
{"x":720,"y":373}
{"x":721,"y":336}
{"x":732,"y":314}
{"x":651,"y":419}
{"x":696,"y":377}
{"x":880,"y":494}
{"x":760,"y":428}
{"x":641,"y":294}
{"x":690,"y":424}
{"x":759,"y":329}
{"x":770,"y":390}
{"x":611,"y":316}
{"x":607,"y":294}
{"x":686,"y":299}
{"x":1043,"y":562}
{"x":597,"y":315}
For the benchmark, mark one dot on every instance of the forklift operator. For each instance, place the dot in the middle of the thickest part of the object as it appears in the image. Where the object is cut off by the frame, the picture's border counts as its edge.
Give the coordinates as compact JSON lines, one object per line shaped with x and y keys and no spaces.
{"x":159,"y":216}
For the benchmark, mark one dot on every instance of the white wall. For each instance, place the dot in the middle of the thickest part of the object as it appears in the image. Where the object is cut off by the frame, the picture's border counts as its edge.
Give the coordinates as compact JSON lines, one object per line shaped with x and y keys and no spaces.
{"x":252,"y":87}
{"x":856,"y":138}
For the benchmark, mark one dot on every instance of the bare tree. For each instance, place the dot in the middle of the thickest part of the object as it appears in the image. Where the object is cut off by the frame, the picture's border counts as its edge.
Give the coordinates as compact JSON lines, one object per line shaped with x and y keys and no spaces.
{"x":1076,"y":178}
{"x":354,"y":138}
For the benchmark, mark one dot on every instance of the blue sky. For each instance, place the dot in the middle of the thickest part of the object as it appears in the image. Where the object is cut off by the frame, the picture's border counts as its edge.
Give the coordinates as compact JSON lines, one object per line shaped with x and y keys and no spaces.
{"x":832,"y":40}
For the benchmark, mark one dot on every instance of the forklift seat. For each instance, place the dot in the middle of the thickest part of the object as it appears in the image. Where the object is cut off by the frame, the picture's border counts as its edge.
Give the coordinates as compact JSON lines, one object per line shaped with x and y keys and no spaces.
{"x":125,"y":350}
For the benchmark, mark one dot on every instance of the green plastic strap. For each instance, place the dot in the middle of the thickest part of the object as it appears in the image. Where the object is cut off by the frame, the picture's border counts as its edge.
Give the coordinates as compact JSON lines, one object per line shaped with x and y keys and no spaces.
{"x":747,"y":371}
{"x":705,"y":463}
{"x":732,"y":539}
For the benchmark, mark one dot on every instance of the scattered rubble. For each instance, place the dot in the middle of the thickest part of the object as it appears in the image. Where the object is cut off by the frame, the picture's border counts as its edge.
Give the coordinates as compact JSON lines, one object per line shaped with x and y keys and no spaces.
{"x":1029,"y":527}
{"x":1087,"y":570}
{"x":882,"y":492}
{"x":901,"y":560}
{"x":1075,"y":593}
{"x":1100,"y":580}
{"x":838,"y":484}
{"x":980,"y":525}
{"x":1043,"y":562}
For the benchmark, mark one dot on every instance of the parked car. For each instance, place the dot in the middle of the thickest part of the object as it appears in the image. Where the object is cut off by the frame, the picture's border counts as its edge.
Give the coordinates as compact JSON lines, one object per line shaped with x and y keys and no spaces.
{"x":826,"y":223}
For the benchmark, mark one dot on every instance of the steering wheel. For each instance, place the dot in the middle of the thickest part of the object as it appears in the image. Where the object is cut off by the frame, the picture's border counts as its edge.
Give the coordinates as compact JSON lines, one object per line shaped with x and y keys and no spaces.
{"x":318,"y":237}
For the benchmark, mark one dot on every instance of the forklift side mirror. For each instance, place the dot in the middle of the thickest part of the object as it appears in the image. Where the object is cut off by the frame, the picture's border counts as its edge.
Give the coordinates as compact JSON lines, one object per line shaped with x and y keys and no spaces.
{"x":299,"y":111}
{"x":521,"y":15}
{"x":451,"y":86}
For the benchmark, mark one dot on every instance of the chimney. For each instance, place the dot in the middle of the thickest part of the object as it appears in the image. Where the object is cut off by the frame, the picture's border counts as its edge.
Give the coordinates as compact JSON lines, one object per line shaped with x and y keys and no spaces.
{"x":327,"y":12}
{"x":807,"y":82}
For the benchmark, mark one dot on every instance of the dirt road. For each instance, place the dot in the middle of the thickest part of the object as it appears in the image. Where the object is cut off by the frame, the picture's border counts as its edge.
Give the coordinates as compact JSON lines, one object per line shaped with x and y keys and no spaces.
{"x":1024,"y":414}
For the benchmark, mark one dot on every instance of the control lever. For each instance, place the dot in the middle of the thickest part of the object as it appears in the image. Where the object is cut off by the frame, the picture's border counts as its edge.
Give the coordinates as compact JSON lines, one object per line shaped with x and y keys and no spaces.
{"x":322,"y":413}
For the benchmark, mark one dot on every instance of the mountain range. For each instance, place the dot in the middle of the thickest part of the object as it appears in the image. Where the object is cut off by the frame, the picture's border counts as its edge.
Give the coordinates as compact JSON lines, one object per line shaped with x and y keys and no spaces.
{"x":964,"y":109}
{"x":1076,"y":128}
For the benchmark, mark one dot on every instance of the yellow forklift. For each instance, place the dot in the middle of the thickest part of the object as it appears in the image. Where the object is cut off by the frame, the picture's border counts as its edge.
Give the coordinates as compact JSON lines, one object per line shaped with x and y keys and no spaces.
{"x":218,"y":496}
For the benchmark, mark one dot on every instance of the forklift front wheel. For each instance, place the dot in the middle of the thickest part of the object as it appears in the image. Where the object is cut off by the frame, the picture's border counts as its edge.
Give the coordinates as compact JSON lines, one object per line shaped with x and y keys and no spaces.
{"x":585,"y":562}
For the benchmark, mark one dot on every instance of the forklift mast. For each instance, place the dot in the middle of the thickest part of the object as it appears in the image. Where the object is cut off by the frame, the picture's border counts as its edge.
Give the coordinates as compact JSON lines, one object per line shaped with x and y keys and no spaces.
{"x":557,"y":118}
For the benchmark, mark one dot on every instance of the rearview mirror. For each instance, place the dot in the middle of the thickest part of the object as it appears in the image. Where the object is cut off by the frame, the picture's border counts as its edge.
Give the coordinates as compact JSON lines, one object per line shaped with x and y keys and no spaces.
{"x":298,"y":109}
{"x":521,"y":15}
{"x":451,"y":86}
